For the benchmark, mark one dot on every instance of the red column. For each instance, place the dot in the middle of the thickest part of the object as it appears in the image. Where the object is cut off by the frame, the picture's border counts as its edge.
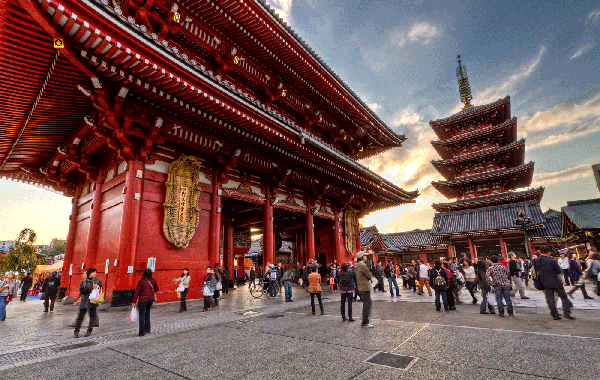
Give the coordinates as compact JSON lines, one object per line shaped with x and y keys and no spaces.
{"x":66,"y":278}
{"x":240,"y":266}
{"x":471,"y":249}
{"x":214,"y":240}
{"x":337,"y":247}
{"x":503,"y":248}
{"x":268,"y":233}
{"x":310,"y":232}
{"x":228,"y":248}
{"x":94,"y":231}
{"x":301,"y":249}
{"x":450,"y":250}
{"x":129,"y":226}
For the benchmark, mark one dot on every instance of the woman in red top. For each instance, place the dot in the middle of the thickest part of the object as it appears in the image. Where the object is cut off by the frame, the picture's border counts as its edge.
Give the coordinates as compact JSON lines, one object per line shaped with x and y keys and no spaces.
{"x":144,"y":297}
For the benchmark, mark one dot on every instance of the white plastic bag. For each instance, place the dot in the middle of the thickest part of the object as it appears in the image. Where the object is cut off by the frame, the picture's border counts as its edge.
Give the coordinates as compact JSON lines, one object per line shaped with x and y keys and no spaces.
{"x":491,"y":299}
{"x":95,"y":296}
{"x":180,"y":288}
{"x":133,"y":316}
{"x":219,"y":285}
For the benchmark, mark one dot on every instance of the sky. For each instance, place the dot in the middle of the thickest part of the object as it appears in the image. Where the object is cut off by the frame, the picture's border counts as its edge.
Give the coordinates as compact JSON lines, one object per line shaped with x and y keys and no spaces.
{"x":400,"y":58}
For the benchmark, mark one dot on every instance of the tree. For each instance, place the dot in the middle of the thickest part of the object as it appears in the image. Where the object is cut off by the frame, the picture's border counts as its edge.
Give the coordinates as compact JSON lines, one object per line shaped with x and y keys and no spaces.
{"x":21,"y":257}
{"x":57,"y":247}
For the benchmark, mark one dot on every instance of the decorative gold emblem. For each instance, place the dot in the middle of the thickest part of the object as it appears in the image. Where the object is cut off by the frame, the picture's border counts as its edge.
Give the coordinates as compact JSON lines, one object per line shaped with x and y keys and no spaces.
{"x":181,"y":201}
{"x":58,"y":43}
{"x":350,"y":227}
{"x":176,"y":17}
{"x":236,"y":60}
{"x":291,"y":201}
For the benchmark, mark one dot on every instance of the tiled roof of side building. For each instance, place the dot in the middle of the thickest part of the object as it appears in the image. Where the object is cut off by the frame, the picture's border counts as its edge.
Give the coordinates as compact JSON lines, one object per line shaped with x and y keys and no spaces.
{"x":495,"y":218}
{"x":367,"y":235}
{"x":401,"y":241}
{"x":552,"y":227}
{"x":256,"y":248}
{"x":585,"y":214}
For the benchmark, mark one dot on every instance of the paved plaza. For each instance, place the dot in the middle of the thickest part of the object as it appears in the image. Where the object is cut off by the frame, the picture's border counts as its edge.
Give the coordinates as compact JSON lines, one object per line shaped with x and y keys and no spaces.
{"x":271,"y":339}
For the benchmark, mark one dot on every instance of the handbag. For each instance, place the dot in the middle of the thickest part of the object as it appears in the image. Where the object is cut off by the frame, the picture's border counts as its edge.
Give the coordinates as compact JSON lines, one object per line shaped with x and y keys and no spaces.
{"x":180,"y":288}
{"x":219,"y":285}
{"x":95,"y":295}
{"x":133,"y":316}
{"x":100,"y":297}
{"x":44,"y":296}
{"x":152,"y":287}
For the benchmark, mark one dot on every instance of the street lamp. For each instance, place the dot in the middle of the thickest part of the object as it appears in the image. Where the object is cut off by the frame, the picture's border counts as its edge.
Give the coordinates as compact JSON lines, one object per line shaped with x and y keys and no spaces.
{"x":524,"y":222}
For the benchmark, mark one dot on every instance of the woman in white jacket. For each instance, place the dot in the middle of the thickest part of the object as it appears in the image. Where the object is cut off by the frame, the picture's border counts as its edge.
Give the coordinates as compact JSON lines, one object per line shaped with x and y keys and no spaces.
{"x":184,"y":279}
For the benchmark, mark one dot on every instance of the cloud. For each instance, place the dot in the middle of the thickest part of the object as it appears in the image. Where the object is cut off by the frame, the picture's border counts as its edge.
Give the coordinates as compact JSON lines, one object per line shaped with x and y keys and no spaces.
{"x":420,"y":32}
{"x":593,"y":17}
{"x":582,"y":50}
{"x":570,"y":174}
{"x":567,"y":136}
{"x":282,"y":7}
{"x":375,"y":107}
{"x":565,"y":115}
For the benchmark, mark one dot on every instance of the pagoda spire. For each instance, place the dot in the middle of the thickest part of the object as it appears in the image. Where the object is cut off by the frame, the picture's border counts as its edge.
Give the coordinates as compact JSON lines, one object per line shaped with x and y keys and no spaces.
{"x":464,"y":89}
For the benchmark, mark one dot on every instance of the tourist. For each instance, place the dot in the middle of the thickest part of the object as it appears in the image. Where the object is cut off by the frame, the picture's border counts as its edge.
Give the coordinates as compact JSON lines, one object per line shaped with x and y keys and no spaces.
{"x":314,"y":288}
{"x":499,"y":277}
{"x":391,"y":275}
{"x":526,"y":270}
{"x":470,"y":279}
{"x":305,"y":276}
{"x":143,"y":298}
{"x":347,"y":288}
{"x":85,"y":289}
{"x":252,"y":279}
{"x":51,"y":285}
{"x":423,"y":272}
{"x":363,"y":286}
{"x":575,"y":275}
{"x":593,"y":265}
{"x":273,"y":276}
{"x":563,"y":263}
{"x":516,"y":276}
{"x":481,"y":280}
{"x":411,"y":276}
{"x":379,"y":276}
{"x":548,"y":271}
{"x":286,"y":280}
{"x":225,"y":280}
{"x":8,"y":291}
{"x":184,"y":279}
{"x":439,"y":280}
{"x":451,"y":286}
{"x":218,"y":275}
{"x":26,"y":284}
{"x":210,"y":284}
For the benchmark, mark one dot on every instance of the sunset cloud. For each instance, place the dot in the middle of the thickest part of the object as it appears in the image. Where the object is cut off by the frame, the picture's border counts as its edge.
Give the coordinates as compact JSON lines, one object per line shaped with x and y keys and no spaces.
{"x":581,"y":51}
{"x":571,"y":174}
{"x":564,"y":115}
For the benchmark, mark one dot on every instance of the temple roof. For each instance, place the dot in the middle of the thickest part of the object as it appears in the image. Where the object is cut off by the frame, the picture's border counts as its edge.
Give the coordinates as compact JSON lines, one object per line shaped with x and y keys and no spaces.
{"x":256,"y":248}
{"x":551,"y":229}
{"x":367,"y":235}
{"x":401,"y":241}
{"x":519,"y":176}
{"x":515,"y":151}
{"x":486,"y":219}
{"x":585,"y":214}
{"x":490,"y":200}
{"x":500,"y":104}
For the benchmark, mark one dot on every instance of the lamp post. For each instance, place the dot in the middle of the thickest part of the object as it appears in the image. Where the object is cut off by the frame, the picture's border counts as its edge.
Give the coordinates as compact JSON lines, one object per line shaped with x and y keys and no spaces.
{"x":524,"y":222}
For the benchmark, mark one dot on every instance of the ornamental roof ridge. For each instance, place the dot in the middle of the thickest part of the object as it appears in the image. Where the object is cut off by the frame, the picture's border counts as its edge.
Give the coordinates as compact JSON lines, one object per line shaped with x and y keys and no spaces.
{"x":484,"y":152}
{"x":483,"y":175}
{"x":322,"y":63}
{"x":469,"y":111}
{"x":490,"y":198}
{"x":475,"y":133}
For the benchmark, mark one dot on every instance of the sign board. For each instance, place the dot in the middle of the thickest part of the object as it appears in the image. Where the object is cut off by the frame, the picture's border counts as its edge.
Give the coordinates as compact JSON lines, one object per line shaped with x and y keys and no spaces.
{"x":151,"y":264}
{"x":106,"y":266}
{"x":115,"y":264}
{"x":130,"y":269}
{"x":71,"y":270}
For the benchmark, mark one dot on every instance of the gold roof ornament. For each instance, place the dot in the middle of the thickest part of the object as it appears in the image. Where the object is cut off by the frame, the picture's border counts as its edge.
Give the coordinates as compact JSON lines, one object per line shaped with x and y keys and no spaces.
{"x":464,"y":89}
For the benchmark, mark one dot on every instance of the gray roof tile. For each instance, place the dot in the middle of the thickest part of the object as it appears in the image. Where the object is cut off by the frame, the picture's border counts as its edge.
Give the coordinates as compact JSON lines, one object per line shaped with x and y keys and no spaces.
{"x":585,"y":214}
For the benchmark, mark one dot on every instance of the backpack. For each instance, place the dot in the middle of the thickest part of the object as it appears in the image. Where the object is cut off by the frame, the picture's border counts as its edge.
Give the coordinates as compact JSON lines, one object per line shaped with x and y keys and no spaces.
{"x":273,"y":275}
{"x":439,"y":280}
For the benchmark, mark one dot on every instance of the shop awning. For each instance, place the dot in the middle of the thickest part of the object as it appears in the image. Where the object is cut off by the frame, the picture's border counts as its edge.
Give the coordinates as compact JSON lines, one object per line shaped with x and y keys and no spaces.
{"x":57,"y":266}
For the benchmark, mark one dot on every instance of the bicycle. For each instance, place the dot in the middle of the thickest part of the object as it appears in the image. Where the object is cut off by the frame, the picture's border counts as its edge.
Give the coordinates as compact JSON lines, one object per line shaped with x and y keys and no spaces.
{"x":257,"y":290}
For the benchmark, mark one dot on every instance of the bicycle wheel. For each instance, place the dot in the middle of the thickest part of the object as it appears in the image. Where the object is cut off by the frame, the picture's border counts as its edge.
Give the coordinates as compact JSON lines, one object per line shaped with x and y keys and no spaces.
{"x":256,"y":290}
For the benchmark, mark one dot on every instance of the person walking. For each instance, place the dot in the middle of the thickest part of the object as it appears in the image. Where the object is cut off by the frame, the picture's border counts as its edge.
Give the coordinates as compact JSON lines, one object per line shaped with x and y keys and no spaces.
{"x":563,"y":263}
{"x":347,"y":288}
{"x":226,"y":280}
{"x":526,"y":270}
{"x":363,"y":287}
{"x":8,"y":291}
{"x":575,"y":275}
{"x":516,"y":276}
{"x":411,"y":276}
{"x":439,"y":280}
{"x":85,"y":306}
{"x":314,"y":288}
{"x":26,"y":284}
{"x":593,"y":269}
{"x":391,"y":274}
{"x":286,"y":280}
{"x":51,"y":285}
{"x":451,"y":286}
{"x":548,"y":271}
{"x":217,"y":292}
{"x":470,"y":279}
{"x":379,"y":273}
{"x":252,"y":278}
{"x":481,"y":279}
{"x":423,"y":272}
{"x":210,"y":283}
{"x":273,"y":276}
{"x":143,"y":298}
{"x":184,"y":279}
{"x":499,"y":277}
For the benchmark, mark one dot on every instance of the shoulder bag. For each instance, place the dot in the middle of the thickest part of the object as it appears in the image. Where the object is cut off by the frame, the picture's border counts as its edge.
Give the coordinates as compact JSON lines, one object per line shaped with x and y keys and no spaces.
{"x":152,"y":287}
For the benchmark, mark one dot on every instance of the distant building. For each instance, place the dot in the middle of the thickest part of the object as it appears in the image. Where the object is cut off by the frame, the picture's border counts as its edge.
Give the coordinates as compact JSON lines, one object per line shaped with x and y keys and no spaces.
{"x":596,"y":169}
{"x":5,"y":245}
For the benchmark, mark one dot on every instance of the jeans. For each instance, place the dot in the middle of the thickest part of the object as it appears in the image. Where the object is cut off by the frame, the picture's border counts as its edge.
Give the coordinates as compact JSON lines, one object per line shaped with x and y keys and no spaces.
{"x":485,"y":302}
{"x":470,"y":285}
{"x":566,"y":304}
{"x":346,"y":296}
{"x":566,"y":275}
{"x":50,"y":302}
{"x":392,"y":280}
{"x":216,"y":297}
{"x":288,"y":292}
{"x":182,"y":304}
{"x":312,"y":302}
{"x":208,"y":302}
{"x":273,"y":287}
{"x":24,"y":291}
{"x":144,"y":317}
{"x":440,"y":293}
{"x":2,"y":307}
{"x":366,"y":301}
{"x":379,"y":285}
{"x":450,"y":298}
{"x":504,"y":292}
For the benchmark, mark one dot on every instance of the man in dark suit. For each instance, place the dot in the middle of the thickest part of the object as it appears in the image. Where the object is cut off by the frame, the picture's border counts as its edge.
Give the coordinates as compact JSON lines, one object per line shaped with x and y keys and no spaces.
{"x":548,"y":271}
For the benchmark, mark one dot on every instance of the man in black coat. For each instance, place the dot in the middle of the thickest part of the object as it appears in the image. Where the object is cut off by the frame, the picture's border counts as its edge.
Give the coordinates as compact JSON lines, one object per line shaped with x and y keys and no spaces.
{"x":51,"y":285}
{"x":25,"y":286}
{"x":225,"y":281}
{"x":548,"y":271}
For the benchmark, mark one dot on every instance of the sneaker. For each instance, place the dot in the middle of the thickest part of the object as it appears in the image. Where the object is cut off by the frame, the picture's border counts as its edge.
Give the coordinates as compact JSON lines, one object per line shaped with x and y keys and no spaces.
{"x":351,"y":319}
{"x":367,"y":325}
{"x":203,"y":310}
{"x":492,"y":312}
{"x":570,"y":317}
{"x":558,"y":317}
{"x":502,"y":315}
{"x":398,"y":295}
{"x":483,"y":312}
{"x":511,"y":316}
{"x":344,"y":319}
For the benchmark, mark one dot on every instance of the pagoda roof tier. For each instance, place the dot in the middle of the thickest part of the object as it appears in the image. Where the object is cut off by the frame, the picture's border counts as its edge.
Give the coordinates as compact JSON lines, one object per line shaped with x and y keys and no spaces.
{"x":501,"y":105}
{"x":515,"y":152}
{"x":508,"y":129}
{"x":486,"y":219}
{"x":516,"y":177}
{"x":188,"y":105}
{"x":491,"y":200}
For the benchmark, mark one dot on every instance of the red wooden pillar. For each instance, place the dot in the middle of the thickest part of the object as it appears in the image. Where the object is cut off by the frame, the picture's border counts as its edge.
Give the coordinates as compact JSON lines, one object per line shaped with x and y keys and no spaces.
{"x":503,"y":247}
{"x":91,"y":251}
{"x":228,"y":248}
{"x":301,"y":249}
{"x":337,"y":247}
{"x":268,"y":233}
{"x":472,"y":249}
{"x":450,"y":250}
{"x":214,"y":238}
{"x":240,"y":265}
{"x":132,"y":200}
{"x":310,"y":231}
{"x":66,"y":278}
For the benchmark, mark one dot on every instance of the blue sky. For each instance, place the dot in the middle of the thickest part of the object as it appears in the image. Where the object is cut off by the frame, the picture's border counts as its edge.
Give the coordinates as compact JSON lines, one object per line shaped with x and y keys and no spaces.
{"x":400,"y":57}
